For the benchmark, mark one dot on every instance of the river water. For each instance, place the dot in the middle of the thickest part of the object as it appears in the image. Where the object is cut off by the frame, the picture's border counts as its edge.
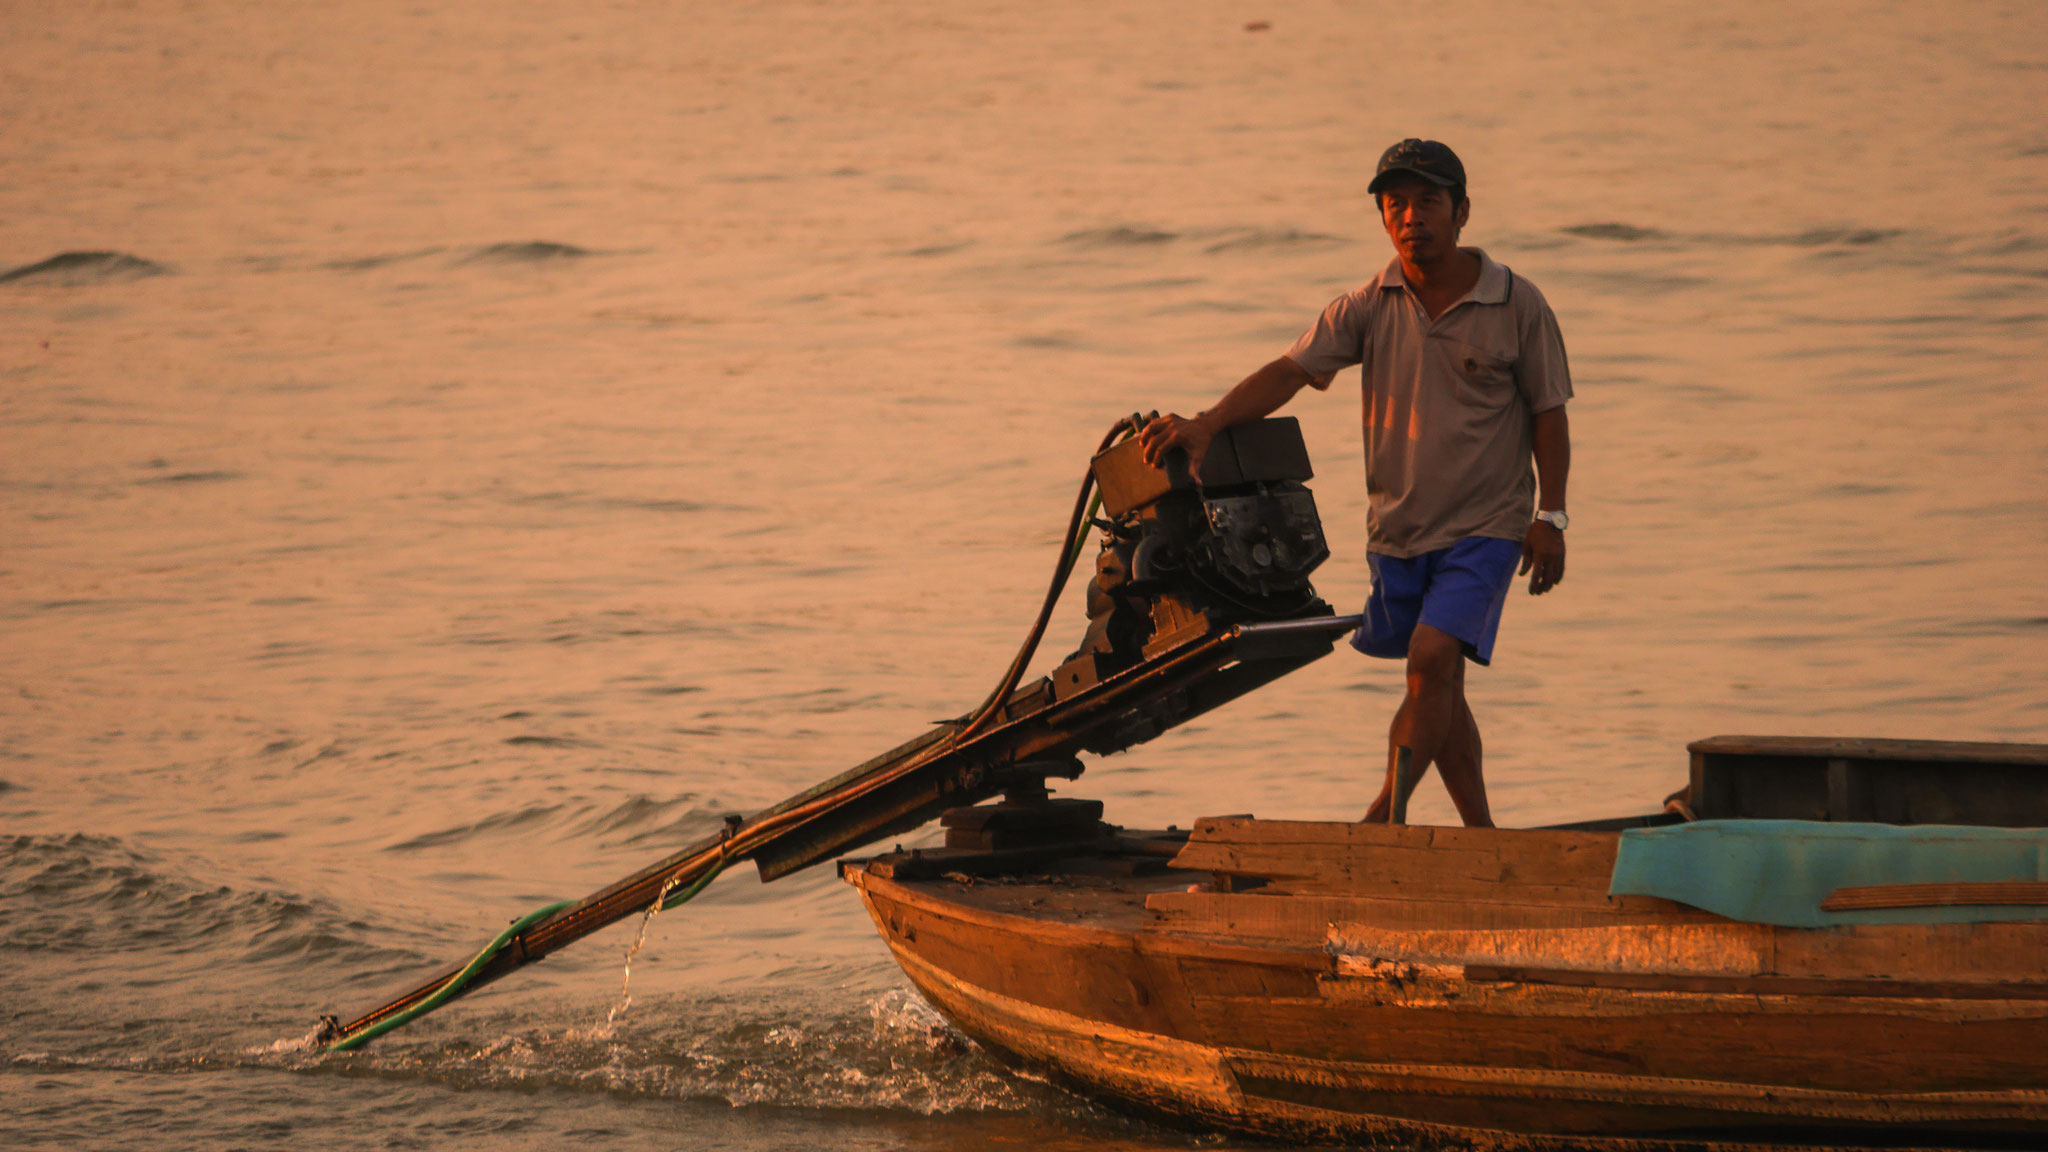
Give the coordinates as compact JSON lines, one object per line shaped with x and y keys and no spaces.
{"x":512,"y":435}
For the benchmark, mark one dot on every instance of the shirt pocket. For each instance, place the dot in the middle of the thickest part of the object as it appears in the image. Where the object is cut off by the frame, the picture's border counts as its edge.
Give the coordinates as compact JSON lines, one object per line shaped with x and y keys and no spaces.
{"x":1485,"y":377}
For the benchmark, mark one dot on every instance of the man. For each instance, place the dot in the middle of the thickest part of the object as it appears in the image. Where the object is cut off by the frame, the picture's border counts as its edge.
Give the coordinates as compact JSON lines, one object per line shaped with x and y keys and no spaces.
{"x":1464,"y":383}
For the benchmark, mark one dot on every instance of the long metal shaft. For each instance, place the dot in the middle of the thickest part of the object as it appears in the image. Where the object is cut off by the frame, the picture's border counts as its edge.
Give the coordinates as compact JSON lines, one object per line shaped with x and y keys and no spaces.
{"x":1032,"y":736}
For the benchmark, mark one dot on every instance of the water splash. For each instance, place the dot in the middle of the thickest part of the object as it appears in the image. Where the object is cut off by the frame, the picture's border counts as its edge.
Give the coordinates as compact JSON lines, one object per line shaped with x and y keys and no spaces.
{"x":625,"y":1000}
{"x":287,"y":1046}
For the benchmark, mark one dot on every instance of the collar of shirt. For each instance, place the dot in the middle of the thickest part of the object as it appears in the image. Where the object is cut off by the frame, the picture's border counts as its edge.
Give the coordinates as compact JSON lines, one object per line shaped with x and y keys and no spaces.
{"x":1492,"y":287}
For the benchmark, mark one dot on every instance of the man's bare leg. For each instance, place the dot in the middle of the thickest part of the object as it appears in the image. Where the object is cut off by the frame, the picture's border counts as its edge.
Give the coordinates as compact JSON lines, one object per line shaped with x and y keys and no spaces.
{"x":1436,"y":725}
{"x":1459,"y":762}
{"x":1377,"y":814}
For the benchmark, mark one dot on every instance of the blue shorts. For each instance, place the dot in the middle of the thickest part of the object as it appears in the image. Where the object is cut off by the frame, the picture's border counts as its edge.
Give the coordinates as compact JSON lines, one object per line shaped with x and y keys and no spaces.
{"x":1459,"y":590}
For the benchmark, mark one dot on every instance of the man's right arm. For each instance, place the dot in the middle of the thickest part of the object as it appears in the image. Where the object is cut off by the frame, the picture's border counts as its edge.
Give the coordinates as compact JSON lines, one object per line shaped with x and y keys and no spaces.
{"x":1255,"y":397}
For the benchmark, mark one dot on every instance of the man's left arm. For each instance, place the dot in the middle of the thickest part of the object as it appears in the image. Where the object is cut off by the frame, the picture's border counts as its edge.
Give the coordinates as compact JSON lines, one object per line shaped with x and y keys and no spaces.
{"x":1543,"y":544}
{"x":1545,"y":378}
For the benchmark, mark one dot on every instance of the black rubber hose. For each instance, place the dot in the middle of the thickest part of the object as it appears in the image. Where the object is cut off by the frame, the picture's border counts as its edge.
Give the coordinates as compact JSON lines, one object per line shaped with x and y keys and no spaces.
{"x":1070,"y":550}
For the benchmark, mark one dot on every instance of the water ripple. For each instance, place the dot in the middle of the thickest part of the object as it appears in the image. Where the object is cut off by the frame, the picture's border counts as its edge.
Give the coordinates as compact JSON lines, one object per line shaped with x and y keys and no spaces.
{"x":1119,"y":236}
{"x":526,"y":252}
{"x":70,"y":269}
{"x":94,"y":896}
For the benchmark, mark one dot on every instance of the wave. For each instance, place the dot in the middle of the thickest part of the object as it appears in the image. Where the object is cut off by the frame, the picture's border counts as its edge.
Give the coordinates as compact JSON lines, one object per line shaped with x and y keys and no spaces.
{"x":1120,"y":236}
{"x":83,"y":894}
{"x":945,"y":249}
{"x":642,"y":818}
{"x":637,"y":819}
{"x":1270,"y":239}
{"x":1624,"y":233}
{"x":531,"y":740}
{"x":1231,"y":239}
{"x":70,"y":269}
{"x":871,"y":1052}
{"x":1811,"y":238}
{"x":587,"y":500}
{"x":208,"y":476}
{"x":1829,"y":237}
{"x":518,"y":820}
{"x":367,"y":263}
{"x":583,"y":629}
{"x":1048,"y":340}
{"x":526,"y":252}
{"x":886,"y":1052}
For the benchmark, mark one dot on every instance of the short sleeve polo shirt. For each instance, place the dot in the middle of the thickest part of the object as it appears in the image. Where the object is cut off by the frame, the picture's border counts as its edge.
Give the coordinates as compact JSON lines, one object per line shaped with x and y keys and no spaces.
{"x":1446,"y":403}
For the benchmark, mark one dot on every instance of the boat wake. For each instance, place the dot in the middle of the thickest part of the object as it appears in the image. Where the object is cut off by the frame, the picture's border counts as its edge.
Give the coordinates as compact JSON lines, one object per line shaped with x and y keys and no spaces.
{"x":887,"y":1052}
{"x":81,"y":909}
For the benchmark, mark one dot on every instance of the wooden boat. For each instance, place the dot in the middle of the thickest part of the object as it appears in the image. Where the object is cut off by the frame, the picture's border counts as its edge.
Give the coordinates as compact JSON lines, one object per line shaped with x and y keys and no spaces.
{"x":1481,"y":988}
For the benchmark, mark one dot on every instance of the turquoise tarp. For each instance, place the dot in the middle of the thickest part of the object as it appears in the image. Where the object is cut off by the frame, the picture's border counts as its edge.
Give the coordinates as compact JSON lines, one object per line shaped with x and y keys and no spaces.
{"x":1778,"y":871}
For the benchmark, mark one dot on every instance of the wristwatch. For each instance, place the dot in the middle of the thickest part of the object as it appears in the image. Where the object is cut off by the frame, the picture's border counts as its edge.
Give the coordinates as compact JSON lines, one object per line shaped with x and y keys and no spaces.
{"x":1557,"y":519}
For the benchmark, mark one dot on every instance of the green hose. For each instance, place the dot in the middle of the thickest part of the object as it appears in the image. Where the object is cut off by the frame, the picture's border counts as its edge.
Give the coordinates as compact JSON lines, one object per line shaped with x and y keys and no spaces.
{"x":447,"y":991}
{"x":1081,"y":535}
{"x":454,"y":983}
{"x":668,"y":902}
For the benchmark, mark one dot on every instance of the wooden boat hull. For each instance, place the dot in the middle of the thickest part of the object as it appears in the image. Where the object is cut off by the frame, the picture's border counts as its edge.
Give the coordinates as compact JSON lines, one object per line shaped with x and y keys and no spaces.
{"x":1304,"y":1012}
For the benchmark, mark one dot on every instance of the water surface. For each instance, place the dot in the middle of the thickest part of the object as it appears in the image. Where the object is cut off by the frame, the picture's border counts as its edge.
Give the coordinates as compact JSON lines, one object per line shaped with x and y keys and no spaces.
{"x":450,"y":455}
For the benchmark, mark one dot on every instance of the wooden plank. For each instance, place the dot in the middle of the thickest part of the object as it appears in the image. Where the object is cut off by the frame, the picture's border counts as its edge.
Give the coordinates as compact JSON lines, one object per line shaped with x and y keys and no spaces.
{"x":1476,"y":1107}
{"x":2016,"y":893}
{"x":1102,"y":976}
{"x":1704,"y":945}
{"x":1341,"y":867}
{"x":1481,"y":992}
{"x":2000,"y":951}
{"x":1210,"y":976}
{"x":1484,"y":1102}
{"x":1357,"y":859}
{"x":1860,"y":748}
{"x":1725,"y":949}
{"x":1845,"y":1051}
{"x":1750,"y":986}
{"x":1250,"y":830}
{"x":1308,"y":918}
{"x":1977,"y":954}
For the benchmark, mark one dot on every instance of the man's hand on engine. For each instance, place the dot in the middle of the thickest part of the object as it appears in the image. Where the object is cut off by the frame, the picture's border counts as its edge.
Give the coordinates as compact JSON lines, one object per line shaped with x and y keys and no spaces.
{"x":1165,"y":433}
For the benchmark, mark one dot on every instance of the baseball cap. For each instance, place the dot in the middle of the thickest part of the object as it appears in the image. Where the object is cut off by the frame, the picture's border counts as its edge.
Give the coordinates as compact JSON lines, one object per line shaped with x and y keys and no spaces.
{"x":1428,"y":159}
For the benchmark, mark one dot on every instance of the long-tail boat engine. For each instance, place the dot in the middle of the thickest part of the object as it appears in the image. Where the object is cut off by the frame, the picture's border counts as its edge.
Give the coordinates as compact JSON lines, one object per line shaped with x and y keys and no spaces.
{"x":1180,"y":559}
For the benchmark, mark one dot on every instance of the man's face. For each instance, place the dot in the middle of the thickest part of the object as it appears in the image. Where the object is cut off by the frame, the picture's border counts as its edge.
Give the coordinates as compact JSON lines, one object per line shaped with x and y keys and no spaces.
{"x":1421,"y":220}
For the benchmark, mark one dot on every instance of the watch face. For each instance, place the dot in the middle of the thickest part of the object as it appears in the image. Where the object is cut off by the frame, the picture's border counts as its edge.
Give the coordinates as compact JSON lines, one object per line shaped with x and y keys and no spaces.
{"x":1557,"y":519}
